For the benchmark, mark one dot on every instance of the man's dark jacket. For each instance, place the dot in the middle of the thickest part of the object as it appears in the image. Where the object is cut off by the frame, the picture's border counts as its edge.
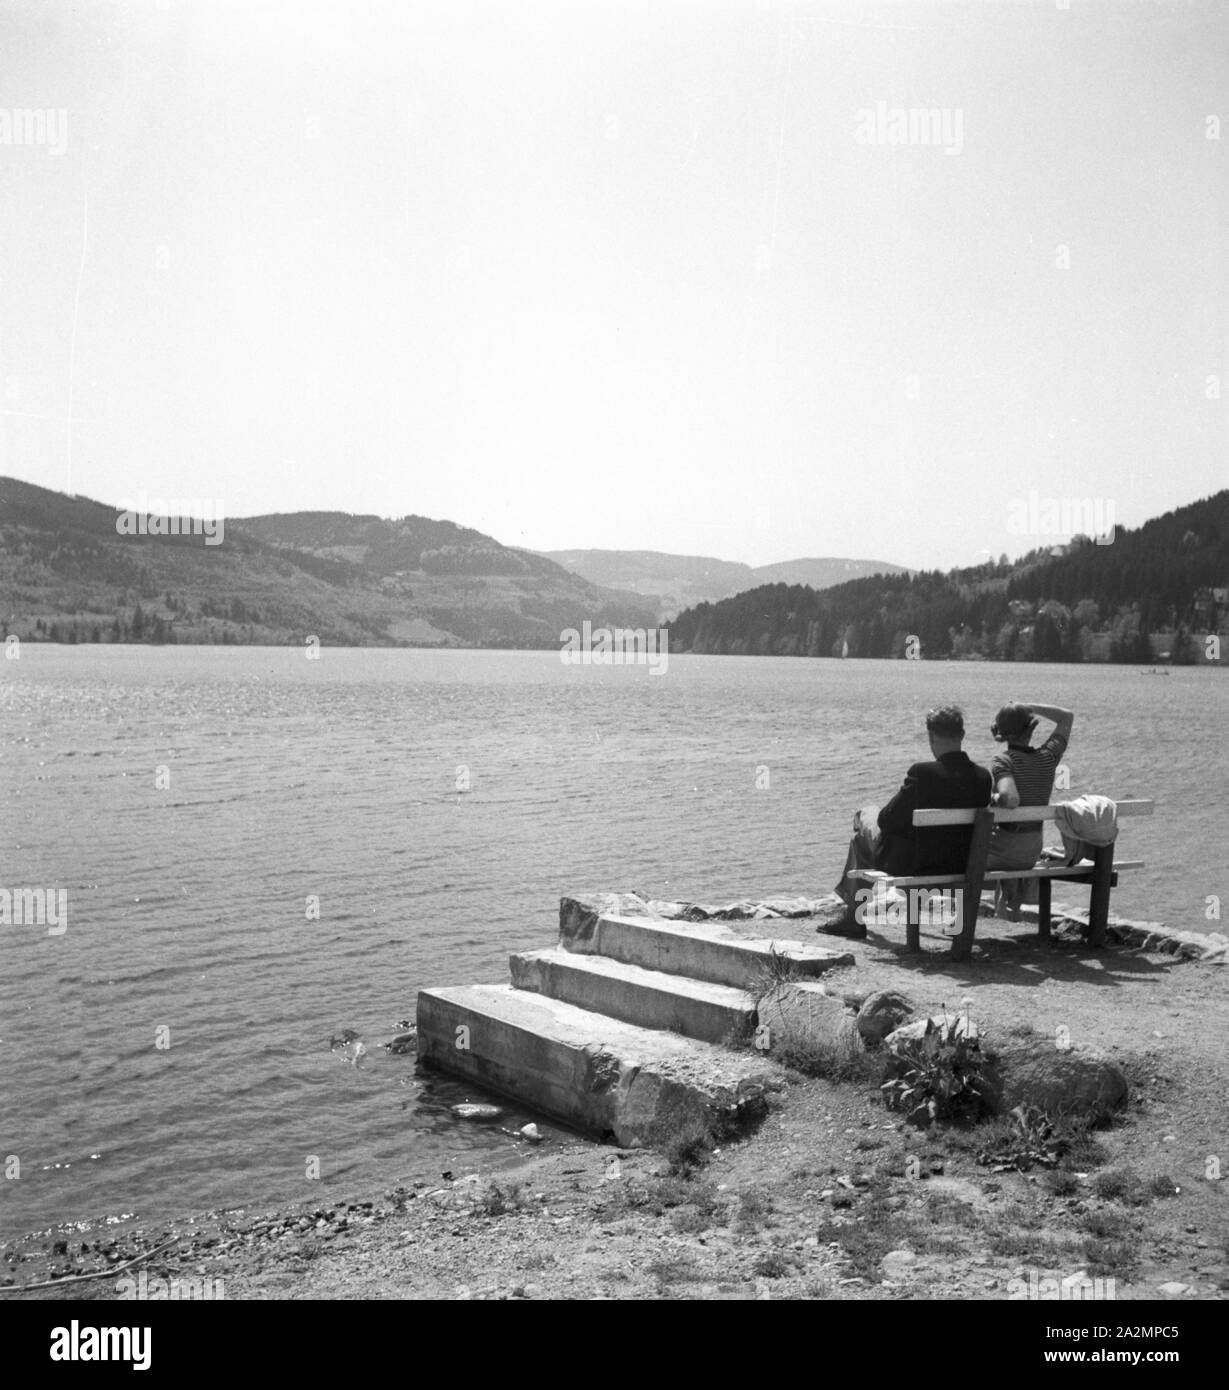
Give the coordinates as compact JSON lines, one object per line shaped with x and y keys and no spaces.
{"x":952,"y":780}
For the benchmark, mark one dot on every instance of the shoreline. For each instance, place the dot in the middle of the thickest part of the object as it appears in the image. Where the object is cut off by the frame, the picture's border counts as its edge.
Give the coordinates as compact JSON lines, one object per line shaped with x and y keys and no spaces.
{"x":802,"y":1207}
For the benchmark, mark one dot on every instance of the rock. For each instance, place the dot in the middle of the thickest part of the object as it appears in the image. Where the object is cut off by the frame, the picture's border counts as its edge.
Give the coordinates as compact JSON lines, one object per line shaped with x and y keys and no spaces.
{"x":1031,"y":1071}
{"x":883,"y":1011}
{"x":1059,"y":1082}
{"x":532,"y":1133}
{"x":801,"y":1017}
{"x":578,"y":917}
{"x":406,"y":1042}
{"x":897,"y":1262}
{"x":790,"y":907}
{"x":1173,"y":1289}
{"x":472,"y":1111}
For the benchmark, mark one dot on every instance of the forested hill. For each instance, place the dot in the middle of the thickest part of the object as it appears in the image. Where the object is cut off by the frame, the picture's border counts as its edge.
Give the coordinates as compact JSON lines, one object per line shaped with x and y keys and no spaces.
{"x":67,"y":574}
{"x":1149,"y":590}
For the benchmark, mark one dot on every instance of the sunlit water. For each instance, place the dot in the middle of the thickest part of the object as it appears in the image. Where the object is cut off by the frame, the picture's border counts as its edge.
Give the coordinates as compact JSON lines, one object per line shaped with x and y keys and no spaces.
{"x":288,"y":778}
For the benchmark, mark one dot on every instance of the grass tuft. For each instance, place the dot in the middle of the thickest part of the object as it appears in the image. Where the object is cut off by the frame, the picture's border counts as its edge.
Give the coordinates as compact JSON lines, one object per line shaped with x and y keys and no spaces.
{"x":1122,"y":1185}
{"x":498,"y":1201}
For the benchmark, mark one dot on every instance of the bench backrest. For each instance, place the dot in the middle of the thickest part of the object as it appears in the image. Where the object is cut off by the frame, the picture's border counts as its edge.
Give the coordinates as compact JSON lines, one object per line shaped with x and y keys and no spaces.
{"x":964,"y":815}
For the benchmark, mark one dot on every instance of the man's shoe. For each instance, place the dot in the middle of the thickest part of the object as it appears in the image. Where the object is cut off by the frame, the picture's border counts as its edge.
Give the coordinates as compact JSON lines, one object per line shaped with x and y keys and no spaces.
{"x":847,"y":927}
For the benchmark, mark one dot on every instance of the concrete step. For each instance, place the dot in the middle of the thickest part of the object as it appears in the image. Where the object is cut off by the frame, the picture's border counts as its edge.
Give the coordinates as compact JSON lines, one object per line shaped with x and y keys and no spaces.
{"x":647,"y":998}
{"x":708,"y":951}
{"x":610,"y":1079}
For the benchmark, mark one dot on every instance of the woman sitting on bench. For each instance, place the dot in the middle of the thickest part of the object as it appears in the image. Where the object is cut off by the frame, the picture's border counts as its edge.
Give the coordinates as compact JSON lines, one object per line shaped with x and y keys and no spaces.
{"x":1023,"y":776}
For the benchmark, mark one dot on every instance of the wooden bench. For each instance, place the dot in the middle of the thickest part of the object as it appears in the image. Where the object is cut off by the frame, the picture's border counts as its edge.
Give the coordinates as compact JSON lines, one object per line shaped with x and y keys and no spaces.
{"x":1101,"y":874}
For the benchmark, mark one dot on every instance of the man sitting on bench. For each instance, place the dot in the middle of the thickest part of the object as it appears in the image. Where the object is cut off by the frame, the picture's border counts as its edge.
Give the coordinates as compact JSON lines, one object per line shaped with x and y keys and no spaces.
{"x":887,"y":839}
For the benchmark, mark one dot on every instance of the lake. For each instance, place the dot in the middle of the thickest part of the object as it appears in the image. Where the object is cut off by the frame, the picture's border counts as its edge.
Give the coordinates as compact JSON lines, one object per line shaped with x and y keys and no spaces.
{"x":169,"y":1051}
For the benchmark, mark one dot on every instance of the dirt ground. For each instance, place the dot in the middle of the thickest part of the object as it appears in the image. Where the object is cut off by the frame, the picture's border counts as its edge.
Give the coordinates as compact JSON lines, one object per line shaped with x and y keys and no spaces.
{"x":834,"y":1196}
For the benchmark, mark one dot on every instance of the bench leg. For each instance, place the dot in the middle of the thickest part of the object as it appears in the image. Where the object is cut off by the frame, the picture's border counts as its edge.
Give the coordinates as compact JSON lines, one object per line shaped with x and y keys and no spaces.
{"x":1099,"y":900}
{"x":970,"y":890}
{"x":966,"y":919}
{"x":1043,"y":908}
{"x":913,"y":925}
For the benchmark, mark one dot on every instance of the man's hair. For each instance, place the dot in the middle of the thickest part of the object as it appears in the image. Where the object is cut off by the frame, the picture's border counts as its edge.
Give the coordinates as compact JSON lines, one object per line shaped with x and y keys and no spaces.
{"x":947,"y":721}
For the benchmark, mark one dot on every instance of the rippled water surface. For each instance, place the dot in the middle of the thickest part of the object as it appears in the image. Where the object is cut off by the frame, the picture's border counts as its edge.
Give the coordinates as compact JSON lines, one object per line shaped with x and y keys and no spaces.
{"x":285,"y":778}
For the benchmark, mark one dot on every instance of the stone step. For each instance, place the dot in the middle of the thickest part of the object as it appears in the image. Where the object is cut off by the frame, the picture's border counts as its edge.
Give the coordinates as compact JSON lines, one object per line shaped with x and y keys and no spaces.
{"x":706,"y":951}
{"x":647,"y":998}
{"x":607,"y":1078}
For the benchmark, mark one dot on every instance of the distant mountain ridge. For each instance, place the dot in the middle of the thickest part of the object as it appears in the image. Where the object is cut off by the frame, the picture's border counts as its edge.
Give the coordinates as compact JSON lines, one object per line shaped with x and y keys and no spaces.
{"x":1159,"y":591}
{"x":677,"y":582}
{"x":67,"y":575}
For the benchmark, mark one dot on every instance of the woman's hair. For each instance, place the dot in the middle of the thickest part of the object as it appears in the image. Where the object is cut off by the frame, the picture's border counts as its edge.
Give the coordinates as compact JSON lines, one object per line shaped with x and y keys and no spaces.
{"x":1014,"y":722}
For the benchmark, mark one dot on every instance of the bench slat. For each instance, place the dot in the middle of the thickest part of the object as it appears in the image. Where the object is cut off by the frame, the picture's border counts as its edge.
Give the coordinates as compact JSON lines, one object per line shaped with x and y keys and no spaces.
{"x":963,"y":815}
{"x":992,"y":876}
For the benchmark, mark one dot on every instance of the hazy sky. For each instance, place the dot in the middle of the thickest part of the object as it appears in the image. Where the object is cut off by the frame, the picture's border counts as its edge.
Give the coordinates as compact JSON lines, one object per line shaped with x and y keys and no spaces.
{"x":621,"y":274}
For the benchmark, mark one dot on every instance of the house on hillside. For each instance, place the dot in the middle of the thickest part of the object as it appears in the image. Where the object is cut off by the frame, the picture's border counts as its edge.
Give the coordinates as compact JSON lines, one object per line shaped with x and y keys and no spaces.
{"x":1211,"y":605}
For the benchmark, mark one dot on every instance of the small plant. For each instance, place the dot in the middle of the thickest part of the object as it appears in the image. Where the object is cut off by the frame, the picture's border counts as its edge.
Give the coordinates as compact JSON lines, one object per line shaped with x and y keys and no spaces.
{"x":659,"y":1195}
{"x":1082,"y":1149}
{"x":864,"y":1243}
{"x":1109,"y":1257}
{"x":702,"y":1208}
{"x":753,"y":1211}
{"x":690,"y":1221}
{"x":685,"y":1134}
{"x":775,"y":970}
{"x":940,"y":1076}
{"x":687,"y":1152}
{"x":774,"y":1264}
{"x":497,"y":1201}
{"x":1105,"y":1225}
{"x":942,"y":1207}
{"x":1030,"y":1140}
{"x":1121,"y":1185}
{"x":1035,"y":1247}
{"x":676,"y":1271}
{"x":842,"y":1058}
{"x":1060,"y":1183}
{"x":818,"y":1288}
{"x":1162,"y":1185}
